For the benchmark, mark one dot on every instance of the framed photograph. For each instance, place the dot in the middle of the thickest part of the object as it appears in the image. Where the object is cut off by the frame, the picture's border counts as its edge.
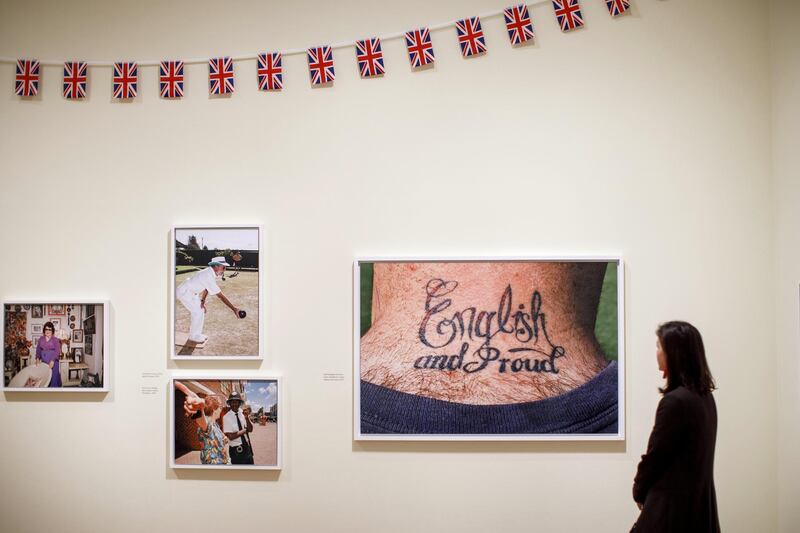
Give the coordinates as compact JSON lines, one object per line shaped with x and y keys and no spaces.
{"x":217,"y":292}
{"x":90,"y":374}
{"x":37,"y":311}
{"x":226,"y":422}
{"x":57,"y":309}
{"x":77,"y":335}
{"x":88,"y":341}
{"x":501,"y":348}
{"x":36,"y":328}
{"x":89,"y":326}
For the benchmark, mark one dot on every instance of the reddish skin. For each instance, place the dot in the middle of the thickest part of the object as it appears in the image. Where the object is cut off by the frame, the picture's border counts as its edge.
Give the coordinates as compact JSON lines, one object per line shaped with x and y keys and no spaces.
{"x":570,"y":295}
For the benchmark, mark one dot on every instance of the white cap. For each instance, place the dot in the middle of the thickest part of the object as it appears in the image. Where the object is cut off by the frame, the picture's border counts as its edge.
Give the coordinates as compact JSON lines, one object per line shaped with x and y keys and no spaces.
{"x":218,"y":261}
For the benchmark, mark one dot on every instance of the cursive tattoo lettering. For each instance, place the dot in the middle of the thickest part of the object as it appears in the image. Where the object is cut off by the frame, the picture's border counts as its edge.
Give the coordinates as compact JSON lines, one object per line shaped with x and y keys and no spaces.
{"x":471,"y":327}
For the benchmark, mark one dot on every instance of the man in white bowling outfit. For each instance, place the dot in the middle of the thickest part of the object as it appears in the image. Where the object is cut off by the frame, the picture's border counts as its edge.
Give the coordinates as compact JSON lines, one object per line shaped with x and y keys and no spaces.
{"x":193,"y":292}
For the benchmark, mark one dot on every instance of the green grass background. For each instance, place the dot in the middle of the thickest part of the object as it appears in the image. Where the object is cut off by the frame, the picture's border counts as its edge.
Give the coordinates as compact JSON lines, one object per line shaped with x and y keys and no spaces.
{"x":605,"y":328}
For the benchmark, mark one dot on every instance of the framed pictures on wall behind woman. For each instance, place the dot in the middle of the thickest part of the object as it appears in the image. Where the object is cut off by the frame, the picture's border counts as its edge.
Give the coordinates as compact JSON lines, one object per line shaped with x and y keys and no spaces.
{"x":37,"y":311}
{"x":89,"y":325}
{"x":40,"y":362}
{"x":77,"y":335}
{"x":216,"y":292}
{"x":57,"y":310}
{"x":489,"y":348}
{"x":226,"y":422}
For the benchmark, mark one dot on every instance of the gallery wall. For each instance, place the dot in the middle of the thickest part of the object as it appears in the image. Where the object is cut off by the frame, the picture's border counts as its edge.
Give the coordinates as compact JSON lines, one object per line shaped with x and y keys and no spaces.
{"x":785,"y":56}
{"x":647,"y":136}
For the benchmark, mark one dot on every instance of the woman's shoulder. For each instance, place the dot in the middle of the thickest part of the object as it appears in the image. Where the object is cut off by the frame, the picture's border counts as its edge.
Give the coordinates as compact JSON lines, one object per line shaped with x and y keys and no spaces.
{"x":684,"y":395}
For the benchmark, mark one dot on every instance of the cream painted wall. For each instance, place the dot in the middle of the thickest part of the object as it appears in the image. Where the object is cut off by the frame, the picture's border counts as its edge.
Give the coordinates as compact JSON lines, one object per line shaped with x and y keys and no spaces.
{"x":648,"y":136}
{"x":785,"y":55}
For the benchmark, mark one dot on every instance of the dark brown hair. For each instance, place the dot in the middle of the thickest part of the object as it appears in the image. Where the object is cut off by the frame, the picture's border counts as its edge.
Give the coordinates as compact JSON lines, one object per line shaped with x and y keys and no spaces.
{"x":50,"y":326}
{"x":686,"y":358}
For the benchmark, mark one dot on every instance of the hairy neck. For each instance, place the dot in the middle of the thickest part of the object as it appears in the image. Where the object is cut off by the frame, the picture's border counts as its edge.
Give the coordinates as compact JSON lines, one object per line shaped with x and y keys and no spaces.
{"x":483,"y":333}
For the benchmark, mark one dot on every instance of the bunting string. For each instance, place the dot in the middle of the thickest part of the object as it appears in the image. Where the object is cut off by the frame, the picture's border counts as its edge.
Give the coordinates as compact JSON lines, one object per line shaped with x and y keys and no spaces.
{"x":320,"y":60}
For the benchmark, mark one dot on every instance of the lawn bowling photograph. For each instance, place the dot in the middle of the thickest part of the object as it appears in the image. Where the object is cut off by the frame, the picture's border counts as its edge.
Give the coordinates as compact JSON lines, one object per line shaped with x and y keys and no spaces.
{"x":225,"y":423}
{"x":45,"y":347}
{"x":216,"y":292}
{"x":489,"y":349}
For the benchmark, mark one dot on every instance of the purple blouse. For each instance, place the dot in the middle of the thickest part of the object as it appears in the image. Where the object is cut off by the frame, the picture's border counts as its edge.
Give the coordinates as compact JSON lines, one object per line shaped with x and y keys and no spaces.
{"x":48,"y":351}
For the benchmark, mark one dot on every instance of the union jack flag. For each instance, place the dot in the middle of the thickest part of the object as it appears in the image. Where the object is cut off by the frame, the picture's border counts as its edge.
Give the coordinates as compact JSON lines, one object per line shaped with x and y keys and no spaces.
{"x":270,"y":71}
{"x":470,"y":37}
{"x":75,"y":80}
{"x":170,"y":79}
{"x":27,"y":78}
{"x":320,"y":65}
{"x":568,"y":13}
{"x":518,"y":24}
{"x":370,"y":58}
{"x":420,"y":49}
{"x":617,"y":7}
{"x":220,"y":75}
{"x":125,"y":80}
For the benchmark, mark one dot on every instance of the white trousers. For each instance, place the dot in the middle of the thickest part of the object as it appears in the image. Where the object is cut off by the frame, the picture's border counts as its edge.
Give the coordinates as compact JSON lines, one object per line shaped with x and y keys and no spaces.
{"x":191,"y":302}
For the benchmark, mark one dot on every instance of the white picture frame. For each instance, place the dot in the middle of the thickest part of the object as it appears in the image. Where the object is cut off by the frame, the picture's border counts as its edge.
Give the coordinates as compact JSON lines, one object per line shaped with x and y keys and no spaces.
{"x":359,"y":435}
{"x":226,"y":376}
{"x":105,"y":345}
{"x":175,"y":354}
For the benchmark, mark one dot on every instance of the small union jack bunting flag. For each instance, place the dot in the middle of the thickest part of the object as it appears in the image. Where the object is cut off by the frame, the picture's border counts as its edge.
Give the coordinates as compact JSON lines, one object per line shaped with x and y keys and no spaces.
{"x":370,"y":58}
{"x":470,"y":37}
{"x":270,"y":71}
{"x":518,"y":24}
{"x":170,"y":79}
{"x":125,"y":80}
{"x":617,"y":7}
{"x":220,"y":75}
{"x":568,"y":13}
{"x":320,"y":65}
{"x":75,"y":80}
{"x":420,"y":49}
{"x":26,"y":82}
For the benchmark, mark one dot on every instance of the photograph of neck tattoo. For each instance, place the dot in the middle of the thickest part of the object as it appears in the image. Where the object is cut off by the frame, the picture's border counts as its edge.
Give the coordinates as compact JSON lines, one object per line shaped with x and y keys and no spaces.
{"x":461,"y":340}
{"x":484,"y":333}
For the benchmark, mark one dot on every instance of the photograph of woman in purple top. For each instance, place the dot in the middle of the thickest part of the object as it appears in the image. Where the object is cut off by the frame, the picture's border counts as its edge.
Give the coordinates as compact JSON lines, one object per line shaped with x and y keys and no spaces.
{"x":48,"y":350}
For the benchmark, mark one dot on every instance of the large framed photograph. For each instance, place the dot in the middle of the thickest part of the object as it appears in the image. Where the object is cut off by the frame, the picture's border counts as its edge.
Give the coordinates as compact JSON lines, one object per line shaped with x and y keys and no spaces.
{"x":41,"y":355}
{"x":226,"y":422}
{"x":216,"y":286}
{"x":489,"y":348}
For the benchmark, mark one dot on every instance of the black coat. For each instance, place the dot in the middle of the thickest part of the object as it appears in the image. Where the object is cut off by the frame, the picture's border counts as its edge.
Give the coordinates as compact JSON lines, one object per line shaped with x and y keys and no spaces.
{"x":675,"y":478}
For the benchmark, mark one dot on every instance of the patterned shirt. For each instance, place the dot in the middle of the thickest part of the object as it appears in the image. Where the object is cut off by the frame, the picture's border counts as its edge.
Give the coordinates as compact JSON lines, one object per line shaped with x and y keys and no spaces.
{"x":213,"y":451}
